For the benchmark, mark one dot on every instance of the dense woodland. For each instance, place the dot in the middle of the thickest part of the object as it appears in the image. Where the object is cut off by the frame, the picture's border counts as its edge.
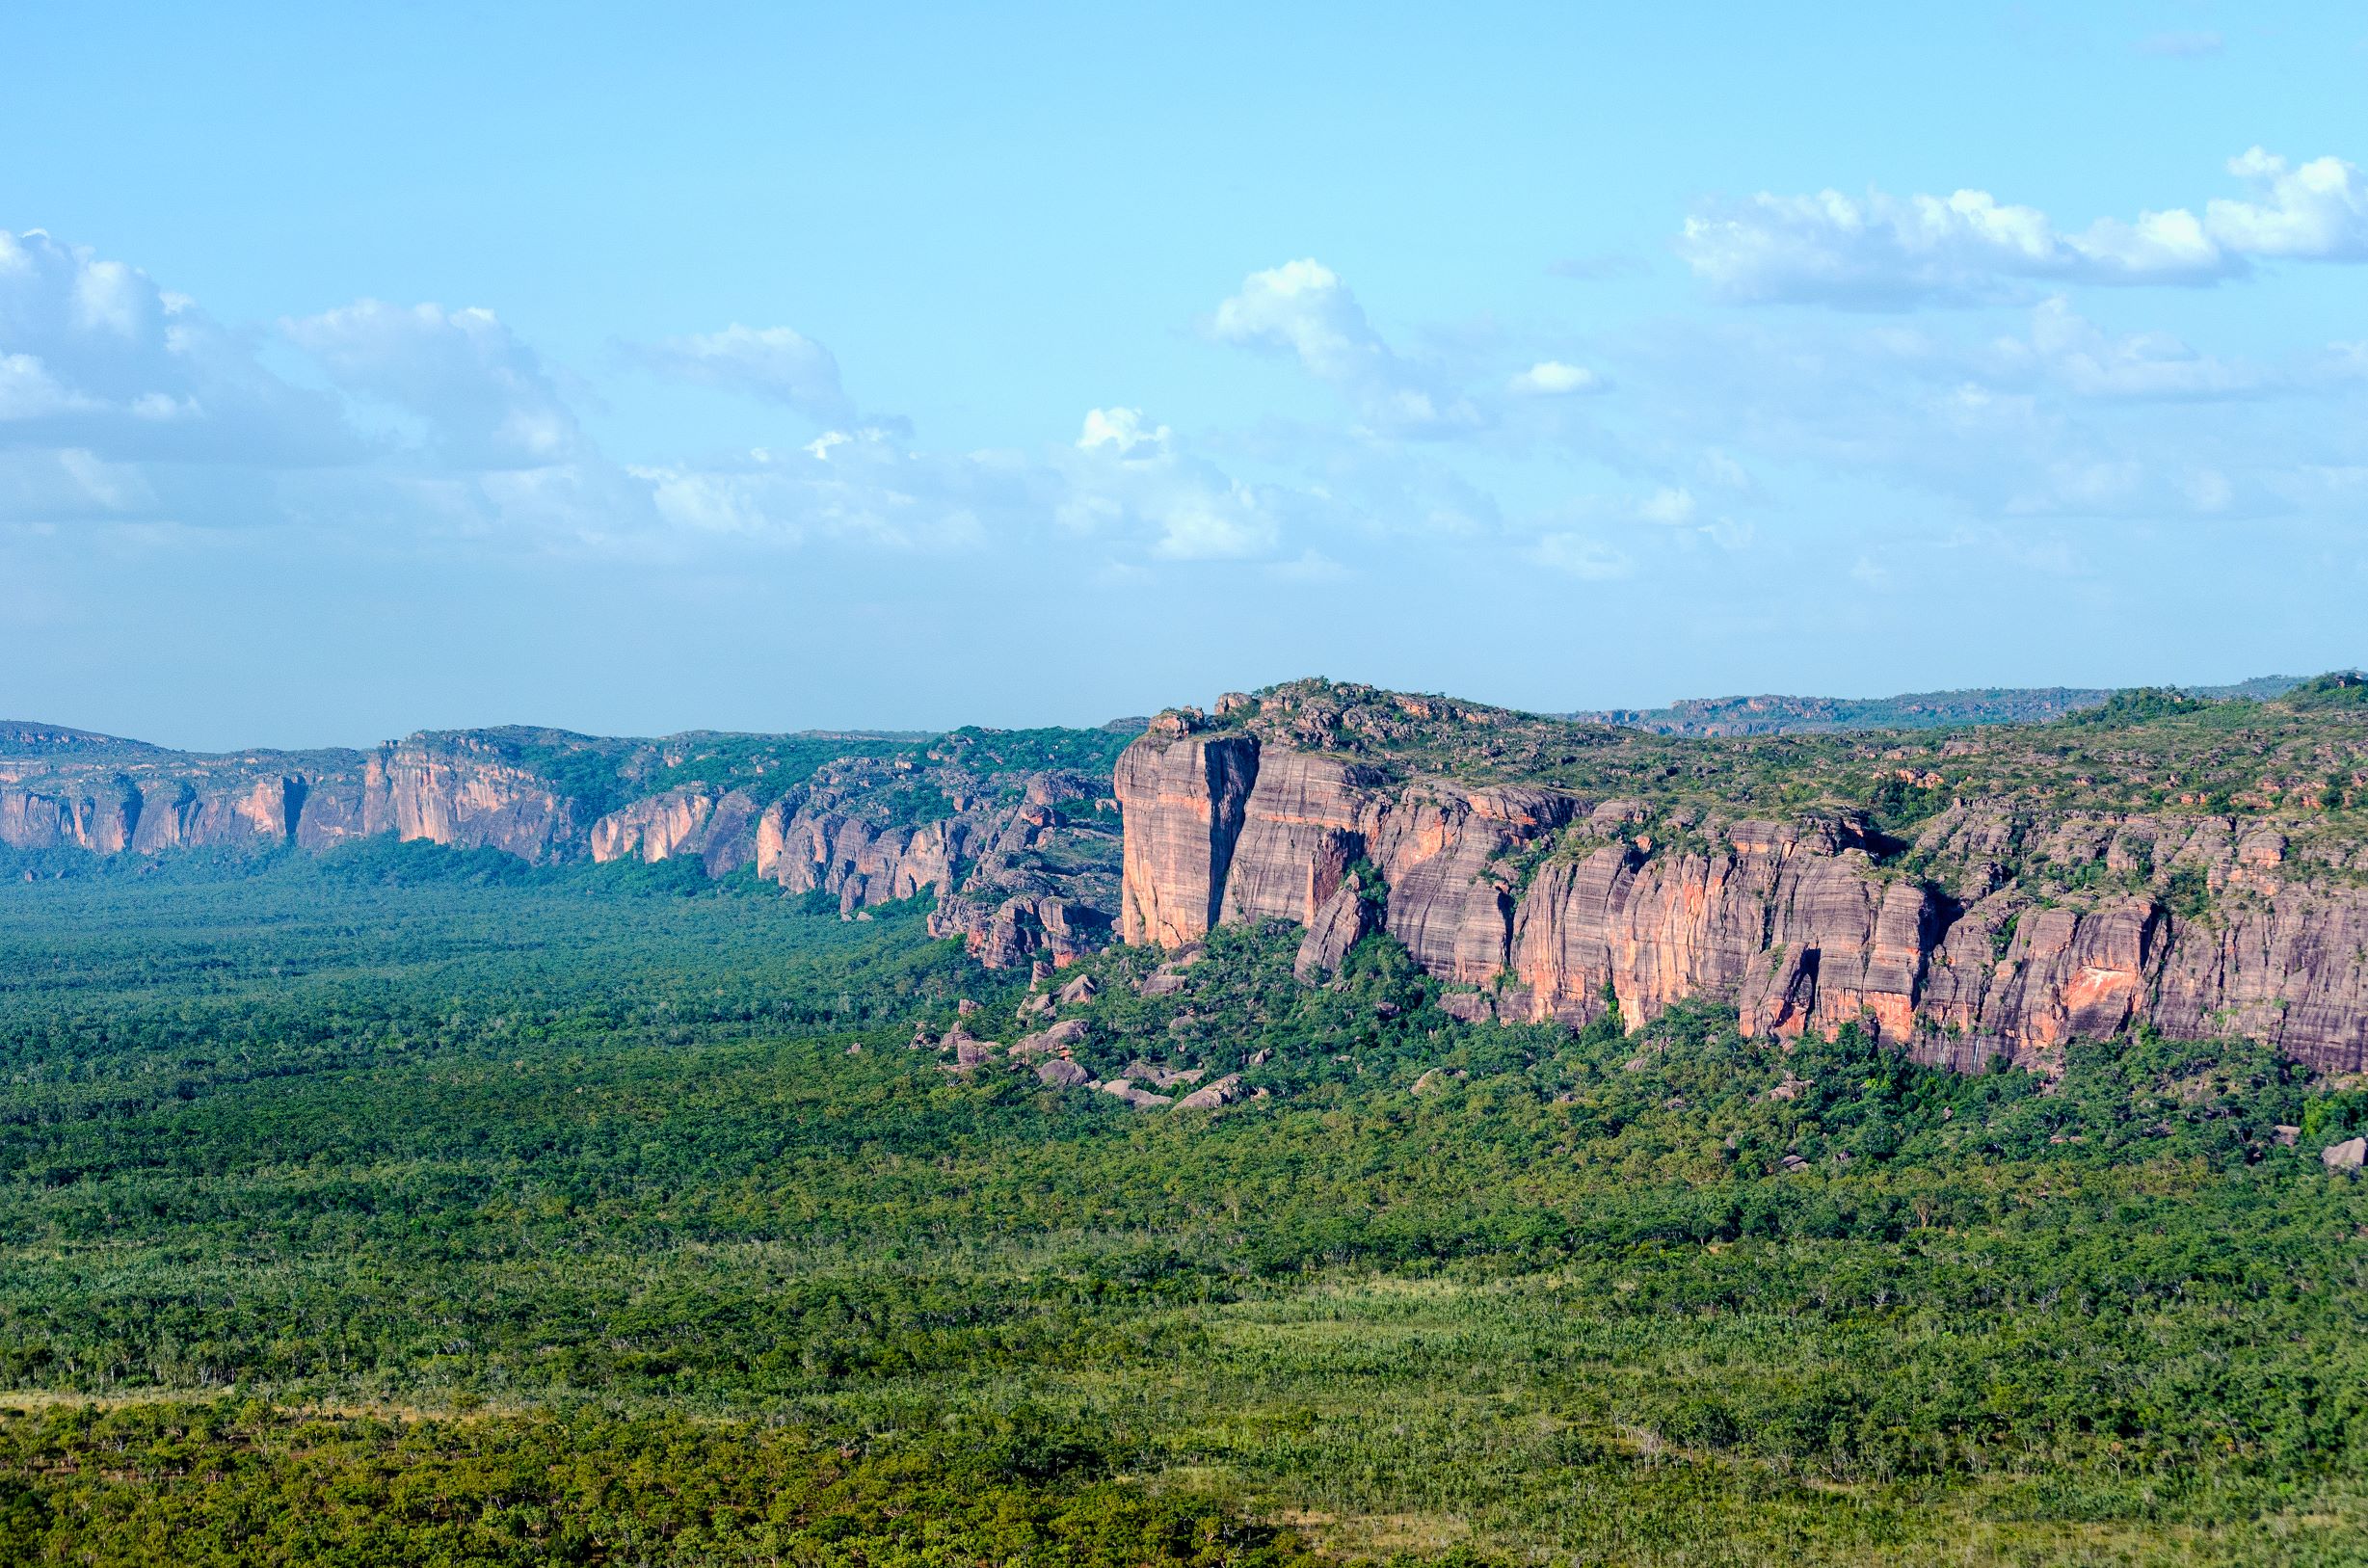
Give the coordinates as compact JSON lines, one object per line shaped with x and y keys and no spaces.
{"x":405,"y":1204}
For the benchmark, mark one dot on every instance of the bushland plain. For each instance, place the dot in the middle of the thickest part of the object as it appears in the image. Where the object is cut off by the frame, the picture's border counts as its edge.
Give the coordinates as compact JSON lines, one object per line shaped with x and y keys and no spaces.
{"x":408,"y":1204}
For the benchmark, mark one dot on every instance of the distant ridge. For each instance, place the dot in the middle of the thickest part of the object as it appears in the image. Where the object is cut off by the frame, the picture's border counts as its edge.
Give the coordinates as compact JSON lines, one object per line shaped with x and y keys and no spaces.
{"x":1773,"y":715}
{"x":30,"y":737}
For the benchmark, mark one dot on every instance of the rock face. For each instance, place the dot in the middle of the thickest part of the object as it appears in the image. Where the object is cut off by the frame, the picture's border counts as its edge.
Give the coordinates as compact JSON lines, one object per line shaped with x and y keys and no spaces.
{"x":1344,"y":920}
{"x":1023,"y":862}
{"x":1188,"y":796}
{"x":1799,"y":924}
{"x":447,"y":790}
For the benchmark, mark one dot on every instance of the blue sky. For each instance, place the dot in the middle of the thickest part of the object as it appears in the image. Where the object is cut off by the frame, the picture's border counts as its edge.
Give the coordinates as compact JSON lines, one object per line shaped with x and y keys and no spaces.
{"x":377,"y":368}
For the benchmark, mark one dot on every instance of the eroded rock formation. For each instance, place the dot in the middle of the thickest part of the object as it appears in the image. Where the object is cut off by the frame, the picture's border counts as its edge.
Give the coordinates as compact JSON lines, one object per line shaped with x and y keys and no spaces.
{"x":1022,"y":864}
{"x":1803,"y":925}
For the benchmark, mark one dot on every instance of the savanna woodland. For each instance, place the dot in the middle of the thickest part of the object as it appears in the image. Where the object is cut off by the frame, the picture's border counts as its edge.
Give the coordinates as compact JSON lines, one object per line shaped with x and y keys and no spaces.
{"x":404,"y":1204}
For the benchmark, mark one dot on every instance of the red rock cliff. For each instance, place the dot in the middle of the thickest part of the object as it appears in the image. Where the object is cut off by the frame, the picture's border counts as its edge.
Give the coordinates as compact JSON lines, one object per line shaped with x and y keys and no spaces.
{"x":1795,"y":923}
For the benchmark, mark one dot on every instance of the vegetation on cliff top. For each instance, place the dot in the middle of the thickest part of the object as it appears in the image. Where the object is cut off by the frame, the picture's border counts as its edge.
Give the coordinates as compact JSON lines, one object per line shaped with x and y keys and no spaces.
{"x":2300,"y":759}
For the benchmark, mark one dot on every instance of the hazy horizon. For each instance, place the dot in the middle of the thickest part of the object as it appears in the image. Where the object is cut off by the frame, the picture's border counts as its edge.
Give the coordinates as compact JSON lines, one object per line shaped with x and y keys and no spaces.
{"x":1204,"y":699}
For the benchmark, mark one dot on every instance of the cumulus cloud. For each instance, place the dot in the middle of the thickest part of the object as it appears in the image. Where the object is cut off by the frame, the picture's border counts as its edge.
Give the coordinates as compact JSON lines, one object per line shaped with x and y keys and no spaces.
{"x":2082,"y":358}
{"x":1121,"y":430}
{"x":774,"y":363}
{"x":1304,"y":309}
{"x":2317,"y":211}
{"x":1884,"y":251}
{"x":95,"y":357}
{"x":481,"y":398}
{"x":863,"y":489}
{"x":1127,"y":475}
{"x":1552,"y":377}
{"x":1671,"y":506}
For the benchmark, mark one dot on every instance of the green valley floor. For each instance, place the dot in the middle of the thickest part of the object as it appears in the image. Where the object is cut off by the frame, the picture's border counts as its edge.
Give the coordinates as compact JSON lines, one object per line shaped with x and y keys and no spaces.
{"x":407,"y":1206}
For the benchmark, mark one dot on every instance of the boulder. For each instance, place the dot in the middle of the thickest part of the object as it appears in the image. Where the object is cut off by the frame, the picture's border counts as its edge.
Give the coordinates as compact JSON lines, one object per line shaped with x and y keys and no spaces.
{"x":1067,"y":1032}
{"x":1224,"y":1092}
{"x":967,"y":1052}
{"x":1160,"y":1076}
{"x":2347,"y":1155}
{"x":1061,"y":1073}
{"x":1471,"y":1006}
{"x":1340,"y":923}
{"x":1139,"y":1099}
{"x":1083,"y":989}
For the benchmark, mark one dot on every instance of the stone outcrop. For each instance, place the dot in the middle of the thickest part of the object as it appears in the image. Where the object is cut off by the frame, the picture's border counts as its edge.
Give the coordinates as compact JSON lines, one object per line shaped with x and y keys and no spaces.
{"x":1023,"y":865}
{"x":1021,"y":927}
{"x":1061,"y":1073}
{"x":719,"y":827}
{"x":1187,"y":796}
{"x":1803,"y":925}
{"x":447,"y":789}
{"x":1344,"y":920}
{"x":1223,"y":1092}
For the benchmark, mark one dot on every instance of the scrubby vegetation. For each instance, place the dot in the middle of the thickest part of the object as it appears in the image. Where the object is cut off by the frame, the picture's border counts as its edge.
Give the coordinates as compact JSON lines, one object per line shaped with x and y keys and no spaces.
{"x":396,"y":1207}
{"x":2302,"y":754}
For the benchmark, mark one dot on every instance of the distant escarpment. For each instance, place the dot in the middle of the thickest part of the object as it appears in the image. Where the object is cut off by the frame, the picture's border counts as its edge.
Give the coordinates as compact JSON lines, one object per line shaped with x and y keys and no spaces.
{"x":1773,"y":715}
{"x":1014,"y":834}
{"x":2192,"y":866}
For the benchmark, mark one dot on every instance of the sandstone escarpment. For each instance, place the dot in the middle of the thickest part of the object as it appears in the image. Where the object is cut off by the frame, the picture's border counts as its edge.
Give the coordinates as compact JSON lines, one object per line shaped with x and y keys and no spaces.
{"x":466,"y":792}
{"x":719,"y":827}
{"x":447,"y":790}
{"x":1187,"y":796}
{"x":1955,"y":946}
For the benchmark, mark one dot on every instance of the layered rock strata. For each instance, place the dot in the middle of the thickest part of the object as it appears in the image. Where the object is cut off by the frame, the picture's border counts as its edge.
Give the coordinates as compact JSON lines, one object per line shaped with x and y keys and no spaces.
{"x":1021,"y":865}
{"x":1802,"y":925}
{"x":440,"y":789}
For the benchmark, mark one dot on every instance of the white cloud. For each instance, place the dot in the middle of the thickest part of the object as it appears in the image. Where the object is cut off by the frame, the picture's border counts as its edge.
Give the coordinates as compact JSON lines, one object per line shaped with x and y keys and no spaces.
{"x":1122,"y":430}
{"x":775,"y":363}
{"x":1669,"y":506}
{"x":1304,"y":309}
{"x":865,"y":488}
{"x":1881,"y":250}
{"x":1126,"y":476}
{"x":2317,"y":212}
{"x":482,"y":396}
{"x":28,"y":391}
{"x":94,"y":357}
{"x":2087,"y":361}
{"x":2064,"y":419}
{"x":1552,"y":377}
